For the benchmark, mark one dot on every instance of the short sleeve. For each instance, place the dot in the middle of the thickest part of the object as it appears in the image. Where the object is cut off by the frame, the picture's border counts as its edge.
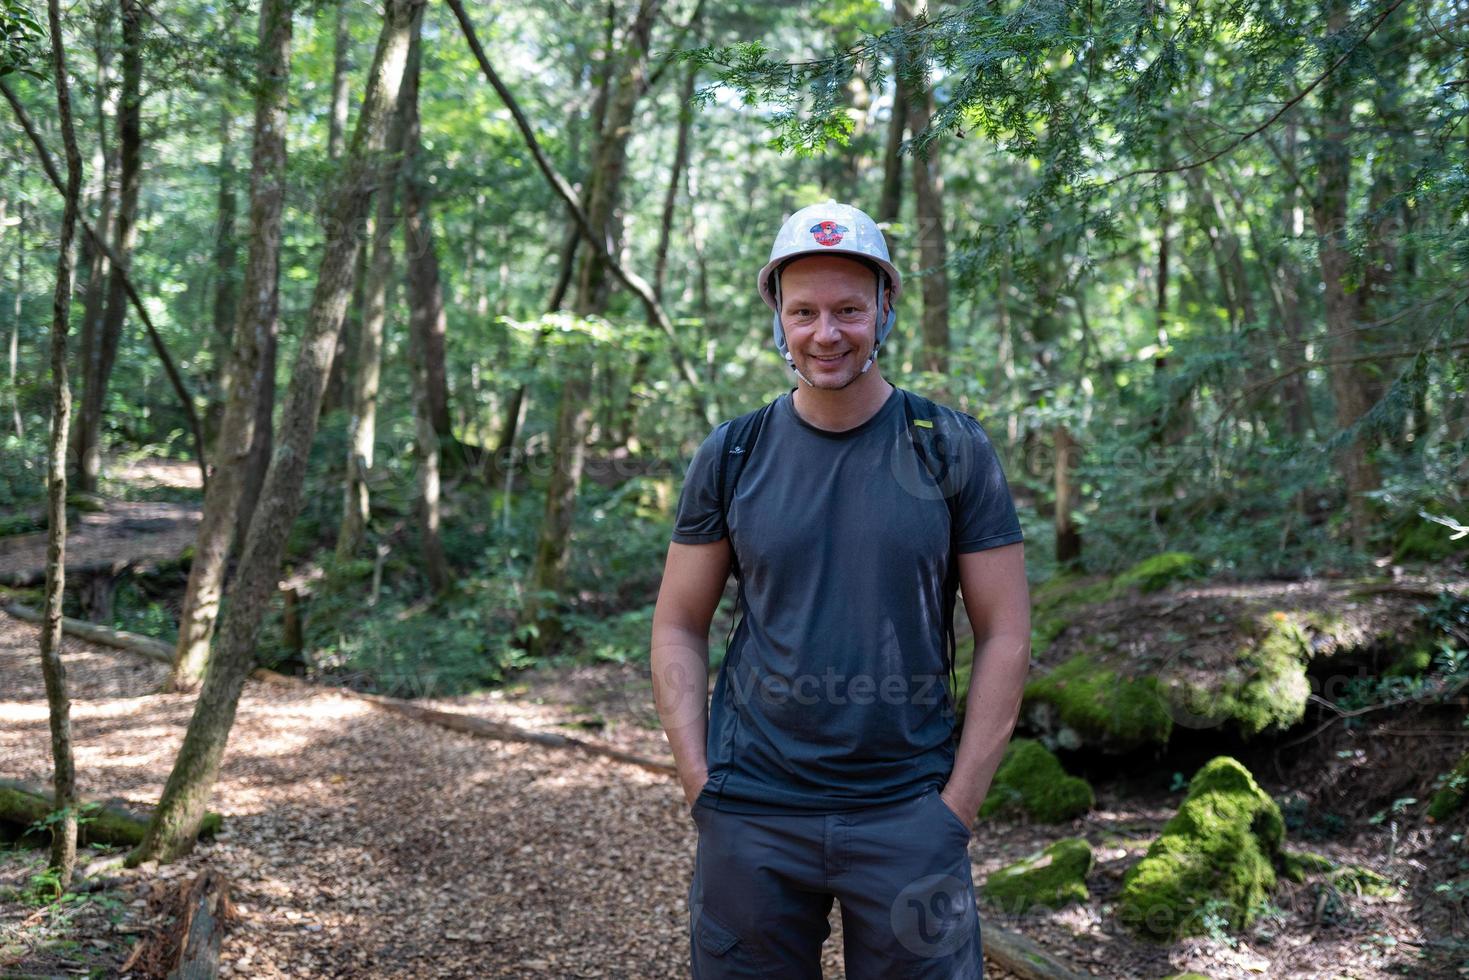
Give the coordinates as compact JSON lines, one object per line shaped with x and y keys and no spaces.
{"x":699,"y":519}
{"x":986,"y":512}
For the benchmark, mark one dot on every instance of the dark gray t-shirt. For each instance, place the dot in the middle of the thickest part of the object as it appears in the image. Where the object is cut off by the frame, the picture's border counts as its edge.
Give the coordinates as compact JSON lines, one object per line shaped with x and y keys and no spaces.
{"x":833,"y":692}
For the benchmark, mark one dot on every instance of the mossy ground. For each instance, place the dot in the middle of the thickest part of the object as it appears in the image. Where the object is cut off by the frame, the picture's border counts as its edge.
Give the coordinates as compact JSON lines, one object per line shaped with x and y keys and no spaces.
{"x":1218,"y":851}
{"x":1053,"y":877}
{"x":1031,"y":780}
{"x":1103,"y":706}
{"x":1264,"y":687}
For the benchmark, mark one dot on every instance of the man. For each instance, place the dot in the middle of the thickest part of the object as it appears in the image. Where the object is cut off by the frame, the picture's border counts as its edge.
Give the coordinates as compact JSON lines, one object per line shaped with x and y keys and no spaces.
{"x":827,"y":768}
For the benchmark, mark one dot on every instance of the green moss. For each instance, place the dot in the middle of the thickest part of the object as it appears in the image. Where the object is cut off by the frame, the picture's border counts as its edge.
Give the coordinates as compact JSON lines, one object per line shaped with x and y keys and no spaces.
{"x":1053,"y":877}
{"x":1221,"y":845}
{"x":1296,"y":865}
{"x":1264,"y":688}
{"x":1451,"y":795}
{"x":1363,"y":881}
{"x":1030,"y":779}
{"x":1414,"y":663}
{"x":1159,"y":571}
{"x":1056,"y":602}
{"x":1122,"y":713}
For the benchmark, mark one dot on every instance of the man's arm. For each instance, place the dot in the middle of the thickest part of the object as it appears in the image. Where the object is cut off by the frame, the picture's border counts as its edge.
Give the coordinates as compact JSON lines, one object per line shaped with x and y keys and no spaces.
{"x":997,"y":600}
{"x":693,"y":580}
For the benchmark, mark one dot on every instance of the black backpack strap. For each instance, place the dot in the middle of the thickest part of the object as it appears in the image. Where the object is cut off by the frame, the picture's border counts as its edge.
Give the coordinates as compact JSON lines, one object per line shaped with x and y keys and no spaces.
{"x":739,"y":442}
{"x":929,"y":437}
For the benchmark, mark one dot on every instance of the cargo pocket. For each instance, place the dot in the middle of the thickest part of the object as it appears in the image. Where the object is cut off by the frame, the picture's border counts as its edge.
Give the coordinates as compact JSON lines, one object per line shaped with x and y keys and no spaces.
{"x":719,"y":953}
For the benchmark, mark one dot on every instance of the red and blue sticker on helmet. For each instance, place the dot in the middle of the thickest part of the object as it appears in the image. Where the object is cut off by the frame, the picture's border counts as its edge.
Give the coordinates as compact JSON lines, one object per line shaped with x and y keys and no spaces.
{"x":828,"y":233}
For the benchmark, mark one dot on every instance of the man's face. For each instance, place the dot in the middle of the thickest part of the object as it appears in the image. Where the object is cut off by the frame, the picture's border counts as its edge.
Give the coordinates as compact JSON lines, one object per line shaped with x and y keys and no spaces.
{"x":829,"y":313}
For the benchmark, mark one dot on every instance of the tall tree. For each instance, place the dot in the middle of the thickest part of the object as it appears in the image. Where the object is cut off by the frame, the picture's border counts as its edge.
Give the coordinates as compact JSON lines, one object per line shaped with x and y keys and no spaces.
{"x":254,"y":332}
{"x":573,"y":411}
{"x":928,"y":195}
{"x":426,"y":331}
{"x":366,"y":379}
{"x":98,"y":368}
{"x":181,"y":810}
{"x":64,"y":828}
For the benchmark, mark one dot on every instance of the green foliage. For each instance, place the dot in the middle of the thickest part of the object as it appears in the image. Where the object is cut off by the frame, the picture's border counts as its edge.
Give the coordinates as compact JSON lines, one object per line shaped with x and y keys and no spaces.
{"x":1452,"y":790}
{"x":1159,"y":571}
{"x":22,"y":40}
{"x":1031,"y":780}
{"x":1053,"y":877}
{"x":1213,"y":863}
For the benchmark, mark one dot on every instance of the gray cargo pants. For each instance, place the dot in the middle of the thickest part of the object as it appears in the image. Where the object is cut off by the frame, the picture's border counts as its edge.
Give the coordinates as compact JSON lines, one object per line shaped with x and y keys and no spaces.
{"x":763,"y":887}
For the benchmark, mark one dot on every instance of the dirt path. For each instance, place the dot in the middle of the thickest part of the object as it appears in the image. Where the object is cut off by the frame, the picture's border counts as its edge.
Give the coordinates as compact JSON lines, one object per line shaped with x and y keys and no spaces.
{"x":361,"y":844}
{"x":126,"y":531}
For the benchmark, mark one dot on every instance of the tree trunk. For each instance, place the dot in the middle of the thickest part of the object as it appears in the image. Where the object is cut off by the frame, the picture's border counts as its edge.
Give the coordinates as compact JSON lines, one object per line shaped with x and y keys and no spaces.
{"x":94,"y":259}
{"x":58,"y":701}
{"x":573,"y":413}
{"x":130,"y":147}
{"x":628,"y":434}
{"x":20,"y":291}
{"x":226,"y":287}
{"x":341,"y":82}
{"x":254,"y":331}
{"x":1348,"y":390}
{"x":1068,"y":537}
{"x":426,"y":323}
{"x":366,"y":379}
{"x":933,"y":251}
{"x":189,"y":784}
{"x":891,"y":202}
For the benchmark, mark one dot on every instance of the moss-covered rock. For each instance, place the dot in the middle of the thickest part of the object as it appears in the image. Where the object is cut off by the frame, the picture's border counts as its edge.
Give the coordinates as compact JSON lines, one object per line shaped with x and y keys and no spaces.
{"x":1031,"y":780}
{"x":1413,"y":663}
{"x":1053,"y":877}
{"x":1263,"y":688}
{"x":1219,"y":850}
{"x":1451,"y":794}
{"x":1160,"y":571}
{"x":1112,"y":711}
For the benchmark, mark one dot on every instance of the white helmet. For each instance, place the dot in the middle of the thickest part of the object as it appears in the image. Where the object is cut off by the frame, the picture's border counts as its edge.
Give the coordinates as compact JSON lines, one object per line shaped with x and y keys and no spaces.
{"x":829,"y":229}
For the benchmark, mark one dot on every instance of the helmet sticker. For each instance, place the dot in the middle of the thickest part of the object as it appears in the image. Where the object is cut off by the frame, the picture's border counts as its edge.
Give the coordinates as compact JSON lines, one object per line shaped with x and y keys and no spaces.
{"x":828,"y":233}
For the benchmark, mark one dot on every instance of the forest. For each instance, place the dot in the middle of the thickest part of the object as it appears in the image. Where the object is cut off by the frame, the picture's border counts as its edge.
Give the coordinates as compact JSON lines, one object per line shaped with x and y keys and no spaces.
{"x":356,"y":353}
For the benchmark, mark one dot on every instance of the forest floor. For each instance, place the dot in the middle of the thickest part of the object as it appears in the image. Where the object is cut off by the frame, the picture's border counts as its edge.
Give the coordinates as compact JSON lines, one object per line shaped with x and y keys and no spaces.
{"x":362,"y":844}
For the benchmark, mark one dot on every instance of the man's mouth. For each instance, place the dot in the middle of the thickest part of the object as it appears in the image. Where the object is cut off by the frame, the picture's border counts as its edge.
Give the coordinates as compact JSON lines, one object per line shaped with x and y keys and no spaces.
{"x":829,"y":359}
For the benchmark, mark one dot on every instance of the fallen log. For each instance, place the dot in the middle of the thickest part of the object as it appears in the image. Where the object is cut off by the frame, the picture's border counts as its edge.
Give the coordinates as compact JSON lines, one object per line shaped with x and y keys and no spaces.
{"x":143,"y":646}
{"x":1018,"y":955}
{"x":483,"y":727}
{"x":103,"y":821}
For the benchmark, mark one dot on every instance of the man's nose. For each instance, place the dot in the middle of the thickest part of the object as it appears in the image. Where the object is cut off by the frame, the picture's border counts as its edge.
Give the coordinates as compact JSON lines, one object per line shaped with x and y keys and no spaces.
{"x":826,"y":328}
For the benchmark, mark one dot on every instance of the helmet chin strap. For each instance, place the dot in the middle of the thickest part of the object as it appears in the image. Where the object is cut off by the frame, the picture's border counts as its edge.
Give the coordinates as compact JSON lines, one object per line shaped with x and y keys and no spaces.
{"x":780,"y":336}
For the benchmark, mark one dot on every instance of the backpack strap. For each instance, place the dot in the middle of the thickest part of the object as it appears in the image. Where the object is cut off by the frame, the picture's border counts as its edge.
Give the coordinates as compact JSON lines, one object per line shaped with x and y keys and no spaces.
{"x":930,"y":441}
{"x":739,"y":441}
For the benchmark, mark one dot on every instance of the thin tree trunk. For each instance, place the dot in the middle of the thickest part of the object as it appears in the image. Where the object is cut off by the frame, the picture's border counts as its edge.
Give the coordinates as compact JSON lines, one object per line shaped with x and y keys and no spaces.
{"x":426,"y":327}
{"x":94,"y":259}
{"x":573,"y":414}
{"x":64,"y":829}
{"x":1333,"y":168}
{"x":226,"y":286}
{"x":181,"y":809}
{"x":891,"y":202}
{"x":933,"y":251}
{"x":366,"y":379}
{"x":341,"y":82}
{"x":628,"y":434}
{"x":20,"y":290}
{"x":254,"y":330}
{"x":1068,"y":537}
{"x":130,"y":148}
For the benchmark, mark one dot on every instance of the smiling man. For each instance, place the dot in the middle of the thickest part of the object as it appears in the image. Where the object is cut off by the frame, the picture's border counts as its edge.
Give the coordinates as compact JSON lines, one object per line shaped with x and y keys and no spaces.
{"x":830,"y":766}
